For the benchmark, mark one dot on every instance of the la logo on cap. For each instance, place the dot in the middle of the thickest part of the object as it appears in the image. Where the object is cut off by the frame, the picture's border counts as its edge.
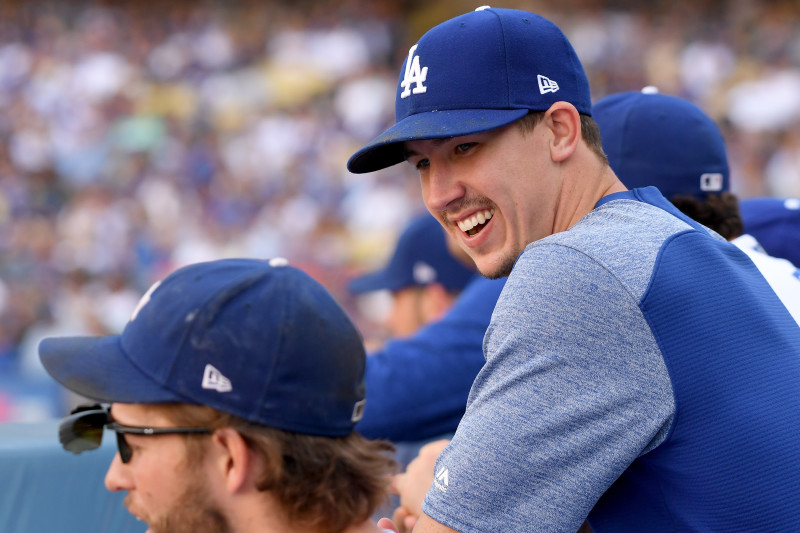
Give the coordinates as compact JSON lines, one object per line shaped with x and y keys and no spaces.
{"x":144,"y":299}
{"x":413,"y":75}
{"x":424,"y":273}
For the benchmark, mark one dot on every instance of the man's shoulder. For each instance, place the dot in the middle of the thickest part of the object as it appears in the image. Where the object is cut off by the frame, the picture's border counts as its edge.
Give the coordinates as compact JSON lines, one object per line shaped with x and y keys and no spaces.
{"x":616,"y":229}
{"x":623,"y":236}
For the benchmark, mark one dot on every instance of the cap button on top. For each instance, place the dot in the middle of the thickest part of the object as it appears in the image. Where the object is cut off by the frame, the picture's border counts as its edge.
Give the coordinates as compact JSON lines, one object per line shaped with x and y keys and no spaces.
{"x":278,"y":262}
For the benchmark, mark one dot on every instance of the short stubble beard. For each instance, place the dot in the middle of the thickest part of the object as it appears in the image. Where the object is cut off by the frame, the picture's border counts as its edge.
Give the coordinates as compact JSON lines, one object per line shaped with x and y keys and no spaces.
{"x":193,"y":511}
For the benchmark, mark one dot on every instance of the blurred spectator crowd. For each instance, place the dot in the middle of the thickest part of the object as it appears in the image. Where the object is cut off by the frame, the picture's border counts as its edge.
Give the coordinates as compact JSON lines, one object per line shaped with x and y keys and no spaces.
{"x":139,"y":137}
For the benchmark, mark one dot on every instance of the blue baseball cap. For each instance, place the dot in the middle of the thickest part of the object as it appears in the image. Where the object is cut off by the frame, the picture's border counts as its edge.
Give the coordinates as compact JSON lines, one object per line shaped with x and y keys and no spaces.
{"x":421,"y":257}
{"x":260,"y":340}
{"x":663,"y":141}
{"x":775,"y":224}
{"x":477,"y":72}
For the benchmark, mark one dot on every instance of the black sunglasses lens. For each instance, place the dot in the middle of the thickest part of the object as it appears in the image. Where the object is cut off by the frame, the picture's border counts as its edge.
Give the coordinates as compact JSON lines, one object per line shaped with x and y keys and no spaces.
{"x":82,"y":431}
{"x":125,"y":451}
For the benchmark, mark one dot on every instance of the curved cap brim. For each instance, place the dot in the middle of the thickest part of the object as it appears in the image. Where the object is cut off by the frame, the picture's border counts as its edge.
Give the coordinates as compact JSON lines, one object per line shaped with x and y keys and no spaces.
{"x":376,"y":281}
{"x":387,"y":149}
{"x":98,"y":368}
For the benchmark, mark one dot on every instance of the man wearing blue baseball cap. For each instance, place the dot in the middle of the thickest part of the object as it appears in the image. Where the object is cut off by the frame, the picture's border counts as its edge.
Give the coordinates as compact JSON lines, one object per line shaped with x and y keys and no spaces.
{"x":234,"y":391}
{"x":639,"y":369}
{"x":665,"y":141}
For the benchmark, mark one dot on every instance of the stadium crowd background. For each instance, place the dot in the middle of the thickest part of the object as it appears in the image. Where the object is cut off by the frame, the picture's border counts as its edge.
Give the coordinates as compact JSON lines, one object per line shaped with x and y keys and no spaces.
{"x":136,"y":137}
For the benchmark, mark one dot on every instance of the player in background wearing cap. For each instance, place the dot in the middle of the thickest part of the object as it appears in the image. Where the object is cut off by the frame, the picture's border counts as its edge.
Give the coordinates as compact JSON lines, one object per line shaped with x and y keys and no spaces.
{"x":424,"y":278}
{"x":233,"y":391}
{"x":441,"y":311}
{"x":775,"y":223}
{"x":665,"y":141}
{"x":639,"y":369}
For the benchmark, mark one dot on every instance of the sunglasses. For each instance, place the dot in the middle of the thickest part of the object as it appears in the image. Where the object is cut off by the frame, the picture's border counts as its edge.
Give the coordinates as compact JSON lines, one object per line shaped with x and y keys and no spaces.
{"x":83,"y":430}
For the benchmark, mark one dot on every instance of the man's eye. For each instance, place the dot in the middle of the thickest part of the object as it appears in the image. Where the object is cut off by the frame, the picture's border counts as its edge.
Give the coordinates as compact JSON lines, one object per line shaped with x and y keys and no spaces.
{"x":464,"y":147}
{"x":422,"y":163}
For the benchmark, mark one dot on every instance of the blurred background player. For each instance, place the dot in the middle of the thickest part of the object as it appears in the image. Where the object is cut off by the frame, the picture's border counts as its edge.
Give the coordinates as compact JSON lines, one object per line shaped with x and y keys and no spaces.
{"x":665,"y":141}
{"x":423,"y":277}
{"x":441,"y":309}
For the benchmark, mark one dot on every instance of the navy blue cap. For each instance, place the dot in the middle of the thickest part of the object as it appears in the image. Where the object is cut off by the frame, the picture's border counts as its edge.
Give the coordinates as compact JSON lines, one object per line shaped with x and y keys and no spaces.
{"x":257,"y":339}
{"x":775,"y":224}
{"x":477,"y":72}
{"x":663,"y":141}
{"x":421,"y":257}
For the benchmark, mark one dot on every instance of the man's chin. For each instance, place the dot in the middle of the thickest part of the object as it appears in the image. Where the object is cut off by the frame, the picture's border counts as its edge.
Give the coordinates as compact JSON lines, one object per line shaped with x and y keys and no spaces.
{"x":134,"y":512}
{"x":496,"y":269}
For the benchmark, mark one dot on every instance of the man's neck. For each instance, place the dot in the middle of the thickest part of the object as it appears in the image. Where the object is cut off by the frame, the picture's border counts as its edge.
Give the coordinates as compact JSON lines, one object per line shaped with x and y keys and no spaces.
{"x":587,"y":181}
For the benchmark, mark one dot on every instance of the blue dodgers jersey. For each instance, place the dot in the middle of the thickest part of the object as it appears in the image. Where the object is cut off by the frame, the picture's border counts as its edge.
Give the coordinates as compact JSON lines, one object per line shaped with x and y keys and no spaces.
{"x":731,"y":461}
{"x":438,"y":364}
{"x":640,"y":372}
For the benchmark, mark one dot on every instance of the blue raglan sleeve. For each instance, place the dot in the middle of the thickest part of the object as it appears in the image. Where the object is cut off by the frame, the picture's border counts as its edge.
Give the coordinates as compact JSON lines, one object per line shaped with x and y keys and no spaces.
{"x":574,"y":388}
{"x":417,"y":387}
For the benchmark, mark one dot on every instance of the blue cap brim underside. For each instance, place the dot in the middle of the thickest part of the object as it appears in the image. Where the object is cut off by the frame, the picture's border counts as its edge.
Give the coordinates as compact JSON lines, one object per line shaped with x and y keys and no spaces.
{"x":387,"y":149}
{"x":377,"y":281}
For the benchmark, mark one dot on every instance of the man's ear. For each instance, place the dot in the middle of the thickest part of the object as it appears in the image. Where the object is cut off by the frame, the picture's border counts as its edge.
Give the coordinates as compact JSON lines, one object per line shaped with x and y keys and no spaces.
{"x":564,"y":122}
{"x":232,"y":458}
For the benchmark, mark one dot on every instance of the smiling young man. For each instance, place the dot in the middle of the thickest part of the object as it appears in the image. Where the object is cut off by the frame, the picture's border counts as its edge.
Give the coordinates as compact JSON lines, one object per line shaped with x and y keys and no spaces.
{"x":234,"y":391}
{"x":639,"y":369}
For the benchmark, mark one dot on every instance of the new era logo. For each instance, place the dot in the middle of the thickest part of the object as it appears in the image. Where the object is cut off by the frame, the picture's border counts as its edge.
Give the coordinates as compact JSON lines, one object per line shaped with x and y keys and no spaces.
{"x":214,"y":380}
{"x":442,"y":479}
{"x":358,"y":411}
{"x":546,"y":85}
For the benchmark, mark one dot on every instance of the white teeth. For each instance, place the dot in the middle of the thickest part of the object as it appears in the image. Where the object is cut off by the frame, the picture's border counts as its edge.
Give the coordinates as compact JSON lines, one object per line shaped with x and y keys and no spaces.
{"x":480,"y":218}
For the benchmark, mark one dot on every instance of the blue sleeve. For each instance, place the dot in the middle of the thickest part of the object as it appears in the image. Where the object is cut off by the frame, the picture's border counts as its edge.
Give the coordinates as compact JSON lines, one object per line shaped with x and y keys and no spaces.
{"x":417,"y":387}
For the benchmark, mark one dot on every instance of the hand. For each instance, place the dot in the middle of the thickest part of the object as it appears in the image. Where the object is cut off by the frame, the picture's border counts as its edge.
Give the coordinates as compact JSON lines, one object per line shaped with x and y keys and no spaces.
{"x":385,"y":523}
{"x":405,"y":521}
{"x":412,"y":485}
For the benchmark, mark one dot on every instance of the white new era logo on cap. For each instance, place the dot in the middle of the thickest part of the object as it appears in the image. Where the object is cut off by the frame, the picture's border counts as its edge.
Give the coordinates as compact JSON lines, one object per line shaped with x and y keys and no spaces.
{"x":546,"y":85}
{"x":214,"y":380}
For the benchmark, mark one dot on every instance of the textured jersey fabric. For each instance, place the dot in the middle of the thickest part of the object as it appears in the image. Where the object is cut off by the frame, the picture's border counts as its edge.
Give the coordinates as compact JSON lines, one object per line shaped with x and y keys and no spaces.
{"x":638,"y":368}
{"x":781,"y":274}
{"x":417,"y":387}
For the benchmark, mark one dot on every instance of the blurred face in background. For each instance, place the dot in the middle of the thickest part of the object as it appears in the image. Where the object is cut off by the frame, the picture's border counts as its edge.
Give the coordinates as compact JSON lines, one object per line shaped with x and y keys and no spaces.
{"x":416,"y":306}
